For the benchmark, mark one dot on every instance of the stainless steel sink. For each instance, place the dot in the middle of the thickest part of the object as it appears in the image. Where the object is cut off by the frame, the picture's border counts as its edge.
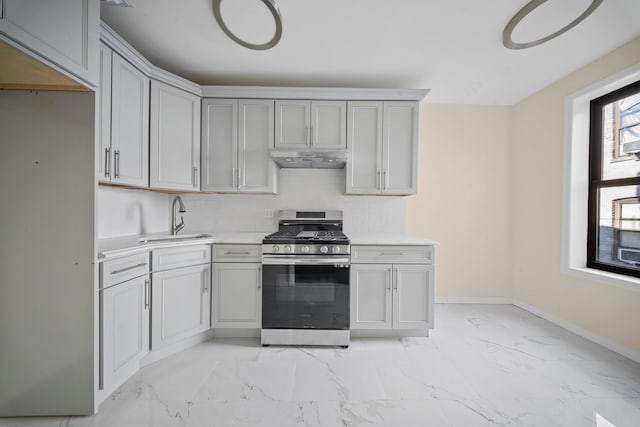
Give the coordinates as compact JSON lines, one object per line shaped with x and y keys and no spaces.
{"x":171,"y":238}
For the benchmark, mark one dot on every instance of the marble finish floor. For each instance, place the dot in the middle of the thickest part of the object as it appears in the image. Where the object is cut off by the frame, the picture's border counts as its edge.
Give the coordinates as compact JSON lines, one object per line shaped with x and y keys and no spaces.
{"x":483,"y":365}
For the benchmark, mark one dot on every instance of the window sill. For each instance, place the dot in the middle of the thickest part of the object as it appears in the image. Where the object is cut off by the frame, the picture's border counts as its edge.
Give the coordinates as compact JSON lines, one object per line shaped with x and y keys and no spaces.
{"x":604,"y":277}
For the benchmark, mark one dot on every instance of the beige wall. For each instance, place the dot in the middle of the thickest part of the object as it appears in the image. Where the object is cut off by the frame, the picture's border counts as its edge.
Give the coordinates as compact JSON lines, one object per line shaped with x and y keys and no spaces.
{"x":462,"y":200}
{"x":536,"y":209}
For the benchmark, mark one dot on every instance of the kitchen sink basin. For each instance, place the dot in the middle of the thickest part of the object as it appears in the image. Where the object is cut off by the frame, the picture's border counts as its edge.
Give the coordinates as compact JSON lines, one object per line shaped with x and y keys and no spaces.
{"x":171,"y":238}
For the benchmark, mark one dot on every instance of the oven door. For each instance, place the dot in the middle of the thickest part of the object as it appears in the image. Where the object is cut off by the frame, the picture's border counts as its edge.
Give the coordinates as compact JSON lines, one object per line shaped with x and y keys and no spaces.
{"x":305,"y":292}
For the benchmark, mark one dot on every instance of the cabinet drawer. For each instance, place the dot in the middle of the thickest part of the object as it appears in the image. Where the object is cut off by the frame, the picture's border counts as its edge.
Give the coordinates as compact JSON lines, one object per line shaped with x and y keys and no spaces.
{"x":168,"y":258}
{"x":237,"y":253}
{"x":392,"y":254}
{"x":122,"y":269}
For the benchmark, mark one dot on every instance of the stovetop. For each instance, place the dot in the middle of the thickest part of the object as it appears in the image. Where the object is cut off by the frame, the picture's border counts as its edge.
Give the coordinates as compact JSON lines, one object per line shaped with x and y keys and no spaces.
{"x":297,"y":236}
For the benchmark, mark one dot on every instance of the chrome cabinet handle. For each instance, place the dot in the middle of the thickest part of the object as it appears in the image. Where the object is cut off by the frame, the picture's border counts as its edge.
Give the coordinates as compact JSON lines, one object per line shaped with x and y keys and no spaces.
{"x":195,"y":176}
{"x":133,"y":267}
{"x":391,"y":253}
{"x":313,"y":140}
{"x":116,"y":161}
{"x":388,"y":279}
{"x":385,"y":184}
{"x":146,"y":293}
{"x":379,"y":182}
{"x":236,"y":253}
{"x":233,"y":177}
{"x":259,"y":277}
{"x":107,"y":162}
{"x":240,"y":178}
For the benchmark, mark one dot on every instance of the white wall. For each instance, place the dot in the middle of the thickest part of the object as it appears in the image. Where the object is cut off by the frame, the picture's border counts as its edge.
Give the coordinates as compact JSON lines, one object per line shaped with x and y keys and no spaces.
{"x":299,"y":189}
{"x":47,"y":253}
{"x":124,"y":212}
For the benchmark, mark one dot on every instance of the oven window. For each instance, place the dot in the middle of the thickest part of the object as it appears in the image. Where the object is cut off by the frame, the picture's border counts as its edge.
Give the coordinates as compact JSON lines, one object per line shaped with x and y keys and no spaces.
{"x":301,"y":297}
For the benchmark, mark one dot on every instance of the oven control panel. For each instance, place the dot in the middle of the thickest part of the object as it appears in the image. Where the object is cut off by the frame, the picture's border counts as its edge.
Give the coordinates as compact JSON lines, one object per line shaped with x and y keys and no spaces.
{"x":306,"y":249}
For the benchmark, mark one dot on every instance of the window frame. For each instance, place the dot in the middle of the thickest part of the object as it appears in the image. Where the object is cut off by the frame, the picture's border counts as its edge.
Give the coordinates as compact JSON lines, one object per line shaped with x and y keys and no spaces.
{"x":596,"y":182}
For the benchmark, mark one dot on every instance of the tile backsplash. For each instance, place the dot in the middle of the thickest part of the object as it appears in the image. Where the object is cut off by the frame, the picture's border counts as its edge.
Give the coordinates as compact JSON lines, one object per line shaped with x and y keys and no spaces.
{"x":302,"y":189}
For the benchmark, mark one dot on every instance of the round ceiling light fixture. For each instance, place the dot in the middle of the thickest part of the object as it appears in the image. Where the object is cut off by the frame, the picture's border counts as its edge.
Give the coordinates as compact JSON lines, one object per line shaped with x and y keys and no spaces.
{"x":508,"y":42}
{"x":275,"y":11}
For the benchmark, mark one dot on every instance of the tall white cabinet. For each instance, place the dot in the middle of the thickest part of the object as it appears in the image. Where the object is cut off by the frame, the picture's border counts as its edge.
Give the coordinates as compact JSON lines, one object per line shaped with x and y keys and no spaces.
{"x":382,"y":140}
{"x":236,"y":138}
{"x":124,"y":121}
{"x":174,"y":138}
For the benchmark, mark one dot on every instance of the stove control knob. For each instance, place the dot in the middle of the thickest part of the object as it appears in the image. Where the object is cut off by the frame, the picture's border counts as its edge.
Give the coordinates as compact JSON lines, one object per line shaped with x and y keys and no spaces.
{"x":324,"y":249}
{"x":276,"y":248}
{"x":305,"y":249}
{"x":335,"y":249}
{"x":287,"y":249}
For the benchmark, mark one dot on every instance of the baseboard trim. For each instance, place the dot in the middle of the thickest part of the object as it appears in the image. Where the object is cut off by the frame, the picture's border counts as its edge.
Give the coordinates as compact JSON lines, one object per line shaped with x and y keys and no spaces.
{"x":177,"y":347}
{"x":578,"y":330}
{"x":472,"y":300}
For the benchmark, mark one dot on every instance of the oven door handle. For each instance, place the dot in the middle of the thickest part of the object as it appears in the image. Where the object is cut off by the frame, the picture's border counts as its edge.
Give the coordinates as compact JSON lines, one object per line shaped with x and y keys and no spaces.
{"x":293,"y":260}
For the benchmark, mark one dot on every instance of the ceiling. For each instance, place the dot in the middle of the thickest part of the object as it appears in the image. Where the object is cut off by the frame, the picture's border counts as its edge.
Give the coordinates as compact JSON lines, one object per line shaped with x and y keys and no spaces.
{"x":453,"y":47}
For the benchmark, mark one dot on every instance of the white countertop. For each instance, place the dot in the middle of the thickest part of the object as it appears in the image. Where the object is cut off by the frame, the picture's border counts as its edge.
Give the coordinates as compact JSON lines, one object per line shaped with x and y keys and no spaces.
{"x":389,"y":239}
{"x":129,"y":245}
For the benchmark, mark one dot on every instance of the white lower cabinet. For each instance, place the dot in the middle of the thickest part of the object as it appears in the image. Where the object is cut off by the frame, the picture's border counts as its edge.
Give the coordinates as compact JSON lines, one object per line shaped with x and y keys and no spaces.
{"x":124,"y":330}
{"x":391,"y":296}
{"x":237,"y":295}
{"x":181,"y":304}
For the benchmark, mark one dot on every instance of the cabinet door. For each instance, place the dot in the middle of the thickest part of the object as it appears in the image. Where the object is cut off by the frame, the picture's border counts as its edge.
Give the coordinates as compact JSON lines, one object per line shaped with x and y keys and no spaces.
{"x":364,"y":143}
{"x":174,"y":138}
{"x":219,"y":145}
{"x":256,"y":170}
{"x":181,"y":304}
{"x":400,"y":148}
{"x":329,"y":125}
{"x":237,"y":295}
{"x":293,"y":126}
{"x":124,"y":332}
{"x":105,"y":168}
{"x":413,"y":296}
{"x":64,"y":32}
{"x":129,"y":124}
{"x":371,"y":296}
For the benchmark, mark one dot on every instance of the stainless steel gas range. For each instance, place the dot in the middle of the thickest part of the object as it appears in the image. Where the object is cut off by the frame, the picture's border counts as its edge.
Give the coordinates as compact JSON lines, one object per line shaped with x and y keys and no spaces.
{"x":305,"y":280}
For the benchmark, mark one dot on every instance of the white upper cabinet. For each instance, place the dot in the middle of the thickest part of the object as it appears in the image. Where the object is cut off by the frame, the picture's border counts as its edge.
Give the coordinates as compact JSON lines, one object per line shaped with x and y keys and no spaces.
{"x":236,"y":138}
{"x":174,"y":138}
{"x":124,"y":133}
{"x":382,"y":139}
{"x":364,"y":135}
{"x":64,"y":32}
{"x":256,"y":171}
{"x":104,"y":93}
{"x":293,"y":124}
{"x":400,"y":148}
{"x":310,"y":125}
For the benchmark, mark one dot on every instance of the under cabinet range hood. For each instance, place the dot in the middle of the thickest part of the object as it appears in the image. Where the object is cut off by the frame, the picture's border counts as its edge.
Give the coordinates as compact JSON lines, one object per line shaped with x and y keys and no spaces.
{"x":310,"y":159}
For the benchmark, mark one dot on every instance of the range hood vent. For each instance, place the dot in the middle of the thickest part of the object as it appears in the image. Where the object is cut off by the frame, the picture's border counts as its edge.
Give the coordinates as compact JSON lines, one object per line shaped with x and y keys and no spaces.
{"x":310,"y":159}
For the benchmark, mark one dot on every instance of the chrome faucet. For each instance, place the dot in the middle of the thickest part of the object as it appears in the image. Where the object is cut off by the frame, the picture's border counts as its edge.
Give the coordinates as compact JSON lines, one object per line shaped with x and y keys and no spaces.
{"x":175,"y":228}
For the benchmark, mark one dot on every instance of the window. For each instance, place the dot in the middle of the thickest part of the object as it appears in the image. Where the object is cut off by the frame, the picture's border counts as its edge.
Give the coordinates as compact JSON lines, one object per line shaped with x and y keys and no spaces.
{"x":613,"y":241}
